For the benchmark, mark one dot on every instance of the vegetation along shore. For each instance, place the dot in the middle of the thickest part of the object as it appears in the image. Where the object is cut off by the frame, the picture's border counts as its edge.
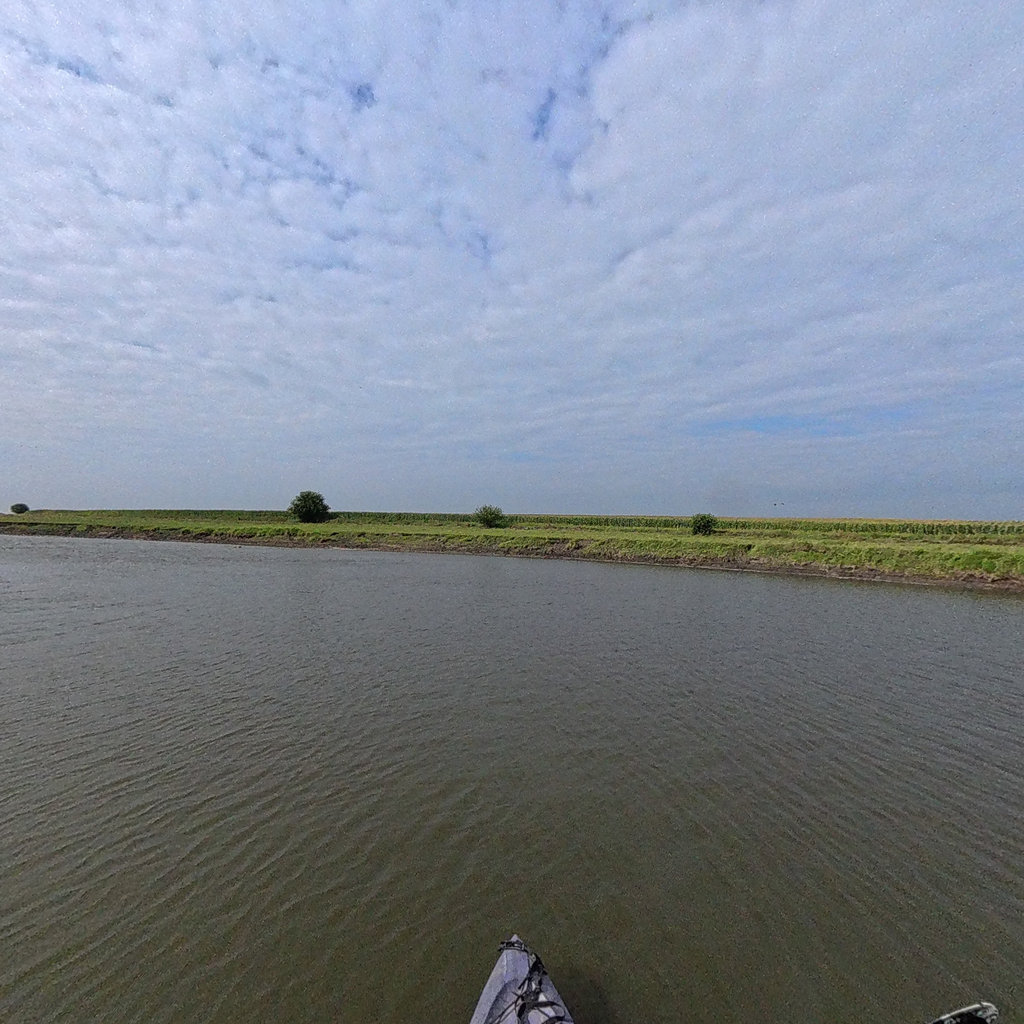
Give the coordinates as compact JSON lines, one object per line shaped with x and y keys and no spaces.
{"x":967,"y":554}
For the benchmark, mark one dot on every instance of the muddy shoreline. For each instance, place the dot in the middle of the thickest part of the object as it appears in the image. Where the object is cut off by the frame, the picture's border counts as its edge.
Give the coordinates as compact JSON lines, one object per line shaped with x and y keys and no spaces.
{"x":868,"y":574}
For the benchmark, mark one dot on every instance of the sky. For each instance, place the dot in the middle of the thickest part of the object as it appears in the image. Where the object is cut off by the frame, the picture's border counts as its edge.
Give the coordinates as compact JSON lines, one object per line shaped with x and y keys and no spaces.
{"x":751,"y":257}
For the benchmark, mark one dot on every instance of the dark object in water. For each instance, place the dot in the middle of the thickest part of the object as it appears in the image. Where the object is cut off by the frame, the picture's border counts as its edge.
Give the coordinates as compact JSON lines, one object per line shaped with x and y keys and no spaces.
{"x":519,"y":990}
{"x":976,"y":1013}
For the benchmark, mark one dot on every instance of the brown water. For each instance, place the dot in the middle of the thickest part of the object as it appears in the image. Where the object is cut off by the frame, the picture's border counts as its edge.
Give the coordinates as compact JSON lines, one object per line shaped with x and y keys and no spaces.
{"x":243,"y":784}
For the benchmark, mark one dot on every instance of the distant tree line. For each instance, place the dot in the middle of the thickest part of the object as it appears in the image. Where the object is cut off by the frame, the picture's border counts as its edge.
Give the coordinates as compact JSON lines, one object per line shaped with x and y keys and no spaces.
{"x":310,"y":507}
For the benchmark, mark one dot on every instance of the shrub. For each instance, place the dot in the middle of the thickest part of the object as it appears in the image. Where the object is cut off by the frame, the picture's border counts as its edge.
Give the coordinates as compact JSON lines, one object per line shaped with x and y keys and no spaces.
{"x":490,"y":516}
{"x":310,"y":507}
{"x":18,"y":507}
{"x":703,"y":523}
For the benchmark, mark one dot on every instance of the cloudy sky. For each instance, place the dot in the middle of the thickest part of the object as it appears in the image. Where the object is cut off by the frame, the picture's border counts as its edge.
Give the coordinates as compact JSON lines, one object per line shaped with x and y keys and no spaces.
{"x":636,"y":256}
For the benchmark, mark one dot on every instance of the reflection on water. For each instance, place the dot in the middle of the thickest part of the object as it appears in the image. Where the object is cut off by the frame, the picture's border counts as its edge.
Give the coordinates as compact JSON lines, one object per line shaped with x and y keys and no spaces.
{"x":259,"y":784}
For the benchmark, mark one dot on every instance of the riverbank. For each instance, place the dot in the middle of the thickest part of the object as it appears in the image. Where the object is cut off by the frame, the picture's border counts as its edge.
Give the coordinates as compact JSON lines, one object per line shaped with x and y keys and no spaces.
{"x":981,"y":555}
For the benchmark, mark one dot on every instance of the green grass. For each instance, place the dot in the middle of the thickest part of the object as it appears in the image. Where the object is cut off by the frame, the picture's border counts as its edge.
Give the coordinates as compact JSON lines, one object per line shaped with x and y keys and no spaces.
{"x":950,"y":551}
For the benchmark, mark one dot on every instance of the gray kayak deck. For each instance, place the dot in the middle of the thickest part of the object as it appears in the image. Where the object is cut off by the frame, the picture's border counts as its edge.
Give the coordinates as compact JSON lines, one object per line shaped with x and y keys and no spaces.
{"x":519,"y":990}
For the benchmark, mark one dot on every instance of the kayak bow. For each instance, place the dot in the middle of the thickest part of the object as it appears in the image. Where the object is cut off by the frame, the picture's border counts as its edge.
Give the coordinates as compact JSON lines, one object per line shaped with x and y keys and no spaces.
{"x":519,"y":990}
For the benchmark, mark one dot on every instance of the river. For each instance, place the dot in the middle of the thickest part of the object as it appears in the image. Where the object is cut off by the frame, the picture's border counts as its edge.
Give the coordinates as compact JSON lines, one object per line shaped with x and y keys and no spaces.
{"x":257,"y":784}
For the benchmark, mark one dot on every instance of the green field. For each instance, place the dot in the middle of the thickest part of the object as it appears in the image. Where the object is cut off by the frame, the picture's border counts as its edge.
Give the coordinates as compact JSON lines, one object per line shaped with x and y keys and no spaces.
{"x":965,"y":553}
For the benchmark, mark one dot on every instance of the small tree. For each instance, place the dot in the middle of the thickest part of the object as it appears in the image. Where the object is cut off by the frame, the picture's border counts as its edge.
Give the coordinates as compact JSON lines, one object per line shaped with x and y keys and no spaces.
{"x":310,"y":507}
{"x":18,"y":507}
{"x":704,"y":524}
{"x":490,"y":516}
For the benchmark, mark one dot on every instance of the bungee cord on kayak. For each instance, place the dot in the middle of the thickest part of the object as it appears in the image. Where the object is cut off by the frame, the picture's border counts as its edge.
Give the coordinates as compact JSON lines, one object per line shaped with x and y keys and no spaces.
{"x":531,"y":995}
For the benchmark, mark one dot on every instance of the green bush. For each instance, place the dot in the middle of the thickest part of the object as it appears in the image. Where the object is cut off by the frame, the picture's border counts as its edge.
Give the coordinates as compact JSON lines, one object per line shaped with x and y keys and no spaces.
{"x":18,"y":507}
{"x":490,"y":516}
{"x":310,"y":507}
{"x":703,"y":524}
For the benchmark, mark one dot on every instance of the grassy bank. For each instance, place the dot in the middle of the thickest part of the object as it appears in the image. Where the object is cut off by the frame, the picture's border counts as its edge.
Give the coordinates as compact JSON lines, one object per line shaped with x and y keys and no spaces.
{"x":989,"y":554}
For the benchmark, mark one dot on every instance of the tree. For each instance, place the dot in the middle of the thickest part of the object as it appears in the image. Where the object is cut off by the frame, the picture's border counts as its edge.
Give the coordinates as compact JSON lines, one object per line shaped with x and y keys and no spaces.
{"x":490,"y":516}
{"x":310,"y":507}
{"x":18,"y":507}
{"x":703,"y":523}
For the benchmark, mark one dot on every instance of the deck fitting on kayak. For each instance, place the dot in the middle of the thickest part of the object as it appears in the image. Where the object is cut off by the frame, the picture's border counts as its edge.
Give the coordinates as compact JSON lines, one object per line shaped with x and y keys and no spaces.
{"x":976,"y":1013}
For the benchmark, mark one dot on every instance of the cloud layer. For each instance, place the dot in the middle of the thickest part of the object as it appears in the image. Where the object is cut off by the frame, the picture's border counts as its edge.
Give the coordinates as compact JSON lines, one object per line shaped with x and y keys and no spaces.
{"x":586,"y":256}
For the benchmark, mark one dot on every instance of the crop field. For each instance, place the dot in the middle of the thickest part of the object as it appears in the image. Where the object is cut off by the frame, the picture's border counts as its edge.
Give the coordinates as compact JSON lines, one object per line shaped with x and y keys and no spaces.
{"x":960,"y":552}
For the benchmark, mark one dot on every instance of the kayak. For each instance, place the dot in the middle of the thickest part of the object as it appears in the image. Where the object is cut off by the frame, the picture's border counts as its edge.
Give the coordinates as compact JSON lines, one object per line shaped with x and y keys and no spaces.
{"x":519,"y":990}
{"x":976,"y":1013}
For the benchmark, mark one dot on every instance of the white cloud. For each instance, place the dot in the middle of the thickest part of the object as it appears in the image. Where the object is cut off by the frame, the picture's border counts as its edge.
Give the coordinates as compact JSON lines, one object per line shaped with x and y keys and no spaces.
{"x":591,"y":256}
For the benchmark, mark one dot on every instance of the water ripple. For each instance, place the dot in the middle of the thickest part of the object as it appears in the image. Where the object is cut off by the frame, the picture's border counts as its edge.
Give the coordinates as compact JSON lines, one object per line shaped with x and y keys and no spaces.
{"x":310,"y":786}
